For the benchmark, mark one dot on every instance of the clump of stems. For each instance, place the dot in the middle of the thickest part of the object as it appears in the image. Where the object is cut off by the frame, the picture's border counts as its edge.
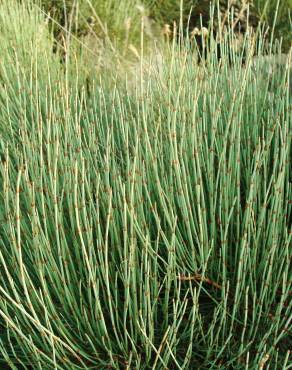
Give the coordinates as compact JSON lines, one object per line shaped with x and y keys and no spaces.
{"x":146,"y":227}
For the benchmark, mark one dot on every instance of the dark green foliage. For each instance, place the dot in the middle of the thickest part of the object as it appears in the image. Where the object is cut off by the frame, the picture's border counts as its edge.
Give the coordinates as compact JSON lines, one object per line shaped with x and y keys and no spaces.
{"x":164,"y":12}
{"x":283,"y":25}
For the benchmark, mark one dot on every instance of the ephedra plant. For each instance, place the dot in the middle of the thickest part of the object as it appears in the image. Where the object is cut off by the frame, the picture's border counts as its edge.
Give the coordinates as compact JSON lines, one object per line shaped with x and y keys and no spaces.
{"x":146,"y":225}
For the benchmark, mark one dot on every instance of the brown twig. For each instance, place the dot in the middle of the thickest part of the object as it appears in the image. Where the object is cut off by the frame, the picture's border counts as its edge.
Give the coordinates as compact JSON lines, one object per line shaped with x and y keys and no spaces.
{"x":198,"y":277}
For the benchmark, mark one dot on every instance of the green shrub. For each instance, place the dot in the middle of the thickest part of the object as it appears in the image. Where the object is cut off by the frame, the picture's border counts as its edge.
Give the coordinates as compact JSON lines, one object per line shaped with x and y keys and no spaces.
{"x":119,"y":21}
{"x":145,"y":226}
{"x":168,"y":11}
{"x":26,"y":60}
{"x":283,"y":25}
{"x":25,"y":39}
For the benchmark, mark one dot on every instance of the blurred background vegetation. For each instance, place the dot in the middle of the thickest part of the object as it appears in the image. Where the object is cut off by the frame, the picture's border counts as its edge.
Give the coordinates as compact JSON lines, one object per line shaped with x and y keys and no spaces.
{"x":120,"y":20}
